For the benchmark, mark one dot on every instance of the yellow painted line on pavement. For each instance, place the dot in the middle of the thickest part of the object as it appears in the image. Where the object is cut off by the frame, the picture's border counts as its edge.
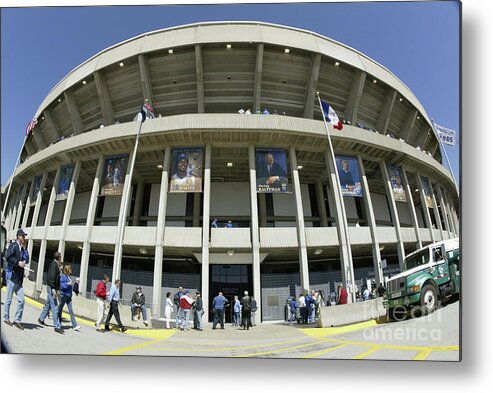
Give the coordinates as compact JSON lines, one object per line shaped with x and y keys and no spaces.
{"x":278,"y":350}
{"x":323,"y":352}
{"x":197,"y":348}
{"x":123,"y":350}
{"x":422,"y":355}
{"x":368,"y":352}
{"x":333,"y":331}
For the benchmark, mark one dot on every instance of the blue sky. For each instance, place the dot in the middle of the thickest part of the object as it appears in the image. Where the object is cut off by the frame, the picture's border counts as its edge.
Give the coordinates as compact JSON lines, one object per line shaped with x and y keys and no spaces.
{"x":417,"y":41}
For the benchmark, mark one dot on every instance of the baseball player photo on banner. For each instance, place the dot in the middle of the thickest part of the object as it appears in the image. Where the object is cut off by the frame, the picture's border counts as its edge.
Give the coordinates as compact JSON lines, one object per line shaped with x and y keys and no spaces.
{"x":66,"y":174}
{"x":349,"y":176}
{"x":186,"y":170}
{"x":114,"y":171}
{"x":426,"y":188}
{"x":397,"y":184}
{"x":36,"y":188}
{"x":272,"y":170}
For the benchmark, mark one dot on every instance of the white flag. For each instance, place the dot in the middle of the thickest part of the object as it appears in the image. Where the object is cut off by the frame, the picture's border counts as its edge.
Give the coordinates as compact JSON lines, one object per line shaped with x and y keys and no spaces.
{"x":446,"y":135}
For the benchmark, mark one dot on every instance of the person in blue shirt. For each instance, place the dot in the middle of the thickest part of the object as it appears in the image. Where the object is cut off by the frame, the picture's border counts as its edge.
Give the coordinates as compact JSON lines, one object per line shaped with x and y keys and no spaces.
{"x":237,"y":312}
{"x":218,"y":304}
{"x":17,"y":258}
{"x":310,"y":303}
{"x":66,"y":296}
{"x":114,"y":299}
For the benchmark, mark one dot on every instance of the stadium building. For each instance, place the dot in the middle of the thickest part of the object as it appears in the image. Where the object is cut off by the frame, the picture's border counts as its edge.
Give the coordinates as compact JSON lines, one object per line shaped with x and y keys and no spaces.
{"x":221,"y":200}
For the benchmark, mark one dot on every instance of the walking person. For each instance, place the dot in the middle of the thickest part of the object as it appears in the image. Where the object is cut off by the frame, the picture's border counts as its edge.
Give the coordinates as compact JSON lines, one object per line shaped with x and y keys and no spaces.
{"x":246,"y":307}
{"x":381,"y":290}
{"x":341,"y":295}
{"x":254,"y":310}
{"x":66,"y":296}
{"x":17,"y":258}
{"x":138,"y":302}
{"x":179,"y":312}
{"x":186,"y":305}
{"x":218,"y":304}
{"x":114,"y":299}
{"x":52,"y":288}
{"x":292,"y":310}
{"x":237,"y":312}
{"x":101,"y":294}
{"x":167,"y":309}
{"x":199,"y":312}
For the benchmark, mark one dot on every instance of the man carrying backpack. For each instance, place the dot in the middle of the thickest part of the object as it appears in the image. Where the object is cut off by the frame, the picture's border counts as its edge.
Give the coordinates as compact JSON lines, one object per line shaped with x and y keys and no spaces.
{"x":246,"y":309}
{"x":17,"y":258}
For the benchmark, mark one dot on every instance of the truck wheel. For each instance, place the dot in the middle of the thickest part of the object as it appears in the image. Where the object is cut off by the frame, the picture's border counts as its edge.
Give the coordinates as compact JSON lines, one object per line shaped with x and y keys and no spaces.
{"x":429,"y":299}
{"x":398,"y":313}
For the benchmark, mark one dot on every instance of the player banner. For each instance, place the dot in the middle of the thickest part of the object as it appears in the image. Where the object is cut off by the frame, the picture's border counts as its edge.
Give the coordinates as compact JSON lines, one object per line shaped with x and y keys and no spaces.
{"x":272,"y":170}
{"x":349,"y":177}
{"x":186,"y":169}
{"x":114,"y":171}
{"x":426,"y":188}
{"x":397,"y":183}
{"x":66,"y":174}
{"x":36,"y":188}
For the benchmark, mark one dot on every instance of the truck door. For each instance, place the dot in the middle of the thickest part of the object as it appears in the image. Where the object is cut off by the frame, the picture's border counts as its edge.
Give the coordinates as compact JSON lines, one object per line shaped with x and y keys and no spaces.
{"x":440,"y":266}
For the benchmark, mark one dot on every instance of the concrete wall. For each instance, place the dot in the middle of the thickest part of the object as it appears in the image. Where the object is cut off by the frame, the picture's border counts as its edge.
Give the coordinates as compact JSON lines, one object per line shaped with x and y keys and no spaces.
{"x":230,"y":199}
{"x":81,"y":205}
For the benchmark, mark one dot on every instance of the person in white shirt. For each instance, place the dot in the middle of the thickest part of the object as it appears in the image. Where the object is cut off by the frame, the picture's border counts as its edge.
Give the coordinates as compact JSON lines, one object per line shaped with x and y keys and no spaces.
{"x":303,"y":310}
{"x":168,"y":307}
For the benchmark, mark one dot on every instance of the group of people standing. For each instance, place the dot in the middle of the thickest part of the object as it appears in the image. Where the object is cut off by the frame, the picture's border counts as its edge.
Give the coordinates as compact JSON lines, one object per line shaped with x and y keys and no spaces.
{"x":309,"y":304}
{"x":185,"y":307}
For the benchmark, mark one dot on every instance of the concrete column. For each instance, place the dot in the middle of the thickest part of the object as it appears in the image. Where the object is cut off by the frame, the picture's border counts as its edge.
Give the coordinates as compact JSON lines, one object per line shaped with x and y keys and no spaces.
{"x":393,"y":212}
{"x":53,"y":129}
{"x":138,"y":203}
{"x":200,"y":80}
{"x":20,"y":206}
{"x":91,"y":212}
{"x":352,"y":105}
{"x":257,"y":89}
{"x":312,"y":86}
{"x":321,"y":204}
{"x":68,"y":206}
{"x":377,"y":258}
{"x":453,"y":227}
{"x":44,"y":242}
{"x":263,"y":209}
{"x":145,"y":78}
{"x":444,"y":212}
{"x":257,"y":292}
{"x":206,"y":230}
{"x":12,"y":212}
{"x":347,"y":270}
{"x":436,"y":212}
{"x":425,"y":207}
{"x":37,"y":207}
{"x":122,"y":223}
{"x":161,"y":222}
{"x":408,"y":125}
{"x":73,"y":111}
{"x":104,"y":98}
{"x":412,"y":210}
{"x":28,"y":206}
{"x":196,"y":209}
{"x":386,"y":112}
{"x":300,"y":222}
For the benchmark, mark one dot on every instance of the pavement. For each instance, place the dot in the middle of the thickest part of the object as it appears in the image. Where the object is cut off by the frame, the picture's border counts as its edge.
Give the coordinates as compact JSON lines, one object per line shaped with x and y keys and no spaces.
{"x":434,"y":337}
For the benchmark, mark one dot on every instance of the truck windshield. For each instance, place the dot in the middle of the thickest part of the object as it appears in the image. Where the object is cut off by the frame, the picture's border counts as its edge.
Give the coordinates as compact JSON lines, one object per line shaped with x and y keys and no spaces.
{"x":421,"y":258}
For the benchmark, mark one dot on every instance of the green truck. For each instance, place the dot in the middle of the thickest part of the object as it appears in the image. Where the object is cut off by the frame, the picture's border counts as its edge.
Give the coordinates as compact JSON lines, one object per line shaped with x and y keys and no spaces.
{"x":428,"y":275}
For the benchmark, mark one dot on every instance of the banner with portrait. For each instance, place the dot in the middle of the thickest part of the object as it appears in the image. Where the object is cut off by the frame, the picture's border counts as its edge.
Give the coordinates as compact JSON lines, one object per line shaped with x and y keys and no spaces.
{"x":397,"y":184}
{"x":272,"y":170}
{"x":66,"y":174}
{"x":426,"y":189}
{"x":36,"y":188}
{"x":186,"y":170}
{"x":349,"y":177}
{"x":113,"y":178}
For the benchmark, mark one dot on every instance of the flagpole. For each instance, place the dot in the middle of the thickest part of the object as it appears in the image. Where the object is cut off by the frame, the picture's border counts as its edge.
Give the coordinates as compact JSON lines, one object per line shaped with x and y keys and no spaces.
{"x":338,"y":187}
{"x":12,"y":179}
{"x":445,"y":151}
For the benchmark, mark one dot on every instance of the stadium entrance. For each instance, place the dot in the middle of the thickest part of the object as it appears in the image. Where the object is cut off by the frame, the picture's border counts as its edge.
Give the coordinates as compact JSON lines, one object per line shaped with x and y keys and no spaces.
{"x":231,"y":280}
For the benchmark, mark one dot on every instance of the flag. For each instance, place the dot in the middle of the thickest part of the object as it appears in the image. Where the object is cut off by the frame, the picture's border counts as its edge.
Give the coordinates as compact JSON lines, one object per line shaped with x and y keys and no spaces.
{"x":330,"y":115}
{"x":31,"y":125}
{"x":146,"y":112}
{"x":446,"y":135}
